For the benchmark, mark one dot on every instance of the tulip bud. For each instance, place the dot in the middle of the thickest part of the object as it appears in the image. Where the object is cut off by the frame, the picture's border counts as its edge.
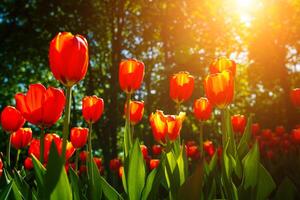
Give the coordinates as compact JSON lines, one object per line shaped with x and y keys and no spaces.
{"x":92,"y":108}
{"x":28,"y":163}
{"x":156,"y":149}
{"x":202,"y":109}
{"x":144,"y":150}
{"x":21,"y":138}
{"x":11,"y":119}
{"x":136,"y":111}
{"x":154,"y":163}
{"x":114,"y":164}
{"x":79,"y":136}
{"x":238,"y":123}
{"x":295,"y":97}
{"x":221,"y":64}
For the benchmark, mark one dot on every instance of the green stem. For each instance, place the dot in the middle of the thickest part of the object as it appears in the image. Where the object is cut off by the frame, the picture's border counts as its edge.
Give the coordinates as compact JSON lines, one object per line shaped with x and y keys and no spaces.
{"x":128,"y":134}
{"x":76,"y":160}
{"x":42,"y":143}
{"x":66,"y":122}
{"x":201,"y":139}
{"x":17,"y":159}
{"x":8,"y":150}
{"x":90,"y":156}
{"x":178,"y":108}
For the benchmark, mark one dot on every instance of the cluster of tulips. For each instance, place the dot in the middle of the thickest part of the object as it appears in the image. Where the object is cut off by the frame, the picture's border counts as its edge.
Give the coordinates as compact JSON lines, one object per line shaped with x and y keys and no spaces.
{"x":220,"y":171}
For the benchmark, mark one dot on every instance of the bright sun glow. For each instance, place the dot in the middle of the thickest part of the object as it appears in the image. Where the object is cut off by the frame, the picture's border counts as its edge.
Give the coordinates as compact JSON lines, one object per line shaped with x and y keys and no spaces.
{"x":244,"y":3}
{"x":244,"y":8}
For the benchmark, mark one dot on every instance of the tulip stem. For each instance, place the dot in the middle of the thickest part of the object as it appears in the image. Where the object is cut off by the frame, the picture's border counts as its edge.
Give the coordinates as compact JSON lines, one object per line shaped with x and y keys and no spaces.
{"x":90,"y":156}
{"x":201,"y":139}
{"x":76,"y":160}
{"x":17,"y":159}
{"x":42,"y":143}
{"x":128,"y":134}
{"x":66,"y":122}
{"x":8,"y":150}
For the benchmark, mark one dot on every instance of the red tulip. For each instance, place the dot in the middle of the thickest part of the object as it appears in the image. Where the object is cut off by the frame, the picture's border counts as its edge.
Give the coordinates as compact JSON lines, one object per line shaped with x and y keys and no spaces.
{"x":192,"y":152}
{"x":190,"y":143}
{"x":209,"y":148}
{"x":238,"y":123}
{"x":79,"y":136}
{"x":92,"y":108}
{"x":21,"y":138}
{"x":69,"y":59}
{"x":202,"y":109}
{"x":255,"y":128}
{"x":114,"y":164}
{"x":295,"y":97}
{"x":41,"y":106}
{"x":221,"y":64}
{"x":279,"y":130}
{"x":166,"y":126}
{"x":98,"y":162}
{"x":296,"y":135}
{"x":28,"y":165}
{"x":82,"y":169}
{"x":156,"y":149}
{"x":267,"y":134}
{"x":181,"y":86}
{"x":1,"y":167}
{"x":82,"y":156}
{"x":11,"y":119}
{"x":136,"y":111}
{"x":219,"y":88}
{"x":144,"y":150}
{"x":131,"y":75}
{"x":154,"y":163}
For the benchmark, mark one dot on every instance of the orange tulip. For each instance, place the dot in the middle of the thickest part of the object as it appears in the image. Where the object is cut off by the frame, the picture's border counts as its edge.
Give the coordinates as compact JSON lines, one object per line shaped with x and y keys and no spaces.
{"x":181,"y":86}
{"x":21,"y":138}
{"x":295,"y":97}
{"x":41,"y":106}
{"x":202,"y":109}
{"x":69,"y":59}
{"x":11,"y":119}
{"x":154,"y":163}
{"x":131,"y":75}
{"x":92,"y":108}
{"x":238,"y":123}
{"x":166,"y":126}
{"x":79,"y":136}
{"x":219,"y":88}
{"x":121,"y":171}
{"x":221,"y":64}
{"x":136,"y":111}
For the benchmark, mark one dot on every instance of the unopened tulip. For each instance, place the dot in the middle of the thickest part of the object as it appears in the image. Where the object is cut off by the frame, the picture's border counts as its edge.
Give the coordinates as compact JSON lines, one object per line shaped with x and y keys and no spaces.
{"x":82,"y":156}
{"x":192,"y":152}
{"x":21,"y":138}
{"x":209,"y":148}
{"x":136,"y":111}
{"x":221,"y":64}
{"x":295,"y":97}
{"x":1,"y":167}
{"x":28,"y":165}
{"x":114,"y":164}
{"x":238,"y":123}
{"x":219,"y":89}
{"x":181,"y":86}
{"x":79,"y":136}
{"x":11,"y":119}
{"x":92,"y":108}
{"x":166,"y":126}
{"x":131,"y":75}
{"x":156,"y":149}
{"x":41,"y":106}
{"x":279,"y":130}
{"x":144,"y":151}
{"x":296,"y":135}
{"x":121,"y":171}
{"x":98,"y":162}
{"x":69,"y":59}
{"x":255,"y":129}
{"x":202,"y":109}
{"x":154,"y":163}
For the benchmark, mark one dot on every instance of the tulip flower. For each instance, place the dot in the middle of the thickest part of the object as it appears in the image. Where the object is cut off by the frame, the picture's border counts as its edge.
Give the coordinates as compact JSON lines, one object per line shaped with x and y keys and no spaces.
{"x":202,"y":109}
{"x":181,"y":87}
{"x":131,"y":75}
{"x":266,"y":134}
{"x":41,"y":106}
{"x":296,"y":135}
{"x":136,"y":111}
{"x":21,"y":138}
{"x":82,"y":169}
{"x":28,"y":165}
{"x":154,"y":163}
{"x":295,"y":97}
{"x":209,"y":148}
{"x":156,"y":149}
{"x":221,"y":64}
{"x":192,"y":152}
{"x":1,"y":167}
{"x":279,"y":130}
{"x":79,"y":136}
{"x":69,"y":59}
{"x":114,"y":164}
{"x":121,"y":171}
{"x":98,"y":162}
{"x":166,"y":126}
{"x":238,"y":123}
{"x":219,"y":89}
{"x":92,"y":108}
{"x":11,"y":119}
{"x":83,"y":155}
{"x":255,"y":128}
{"x":144,"y":150}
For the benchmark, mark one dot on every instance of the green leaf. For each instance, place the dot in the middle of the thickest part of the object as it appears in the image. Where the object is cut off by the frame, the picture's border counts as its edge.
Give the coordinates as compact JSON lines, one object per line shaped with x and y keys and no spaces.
{"x":243,"y":145}
{"x":39,"y":171}
{"x":94,"y":187}
{"x":109,"y":192}
{"x":251,"y":167}
{"x":265,"y":183}
{"x":192,"y":188}
{"x":213,"y":162}
{"x":6,"y":191}
{"x":286,"y":190}
{"x":16,"y":193}
{"x":136,"y":172}
{"x":23,"y":187}
{"x":182,"y":166}
{"x":74,"y":184}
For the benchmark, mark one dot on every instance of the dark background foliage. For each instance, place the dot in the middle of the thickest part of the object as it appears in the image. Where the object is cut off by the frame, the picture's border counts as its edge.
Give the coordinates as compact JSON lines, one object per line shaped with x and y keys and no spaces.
{"x":168,"y":36}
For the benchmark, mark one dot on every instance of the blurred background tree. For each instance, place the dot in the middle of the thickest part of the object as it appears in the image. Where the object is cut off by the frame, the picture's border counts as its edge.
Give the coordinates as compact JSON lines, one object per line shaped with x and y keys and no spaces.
{"x":168,"y":36}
